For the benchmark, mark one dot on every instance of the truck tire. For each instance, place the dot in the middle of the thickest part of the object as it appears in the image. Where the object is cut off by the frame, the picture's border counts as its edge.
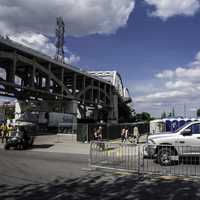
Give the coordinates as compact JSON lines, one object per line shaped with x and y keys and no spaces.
{"x":164,"y":155}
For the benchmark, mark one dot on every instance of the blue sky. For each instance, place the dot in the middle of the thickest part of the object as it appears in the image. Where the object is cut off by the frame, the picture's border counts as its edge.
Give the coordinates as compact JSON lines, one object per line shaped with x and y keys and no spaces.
{"x":153,"y":44}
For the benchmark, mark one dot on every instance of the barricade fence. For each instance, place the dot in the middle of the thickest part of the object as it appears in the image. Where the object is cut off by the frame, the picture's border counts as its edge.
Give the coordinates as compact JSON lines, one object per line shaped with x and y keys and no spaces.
{"x":162,"y":160}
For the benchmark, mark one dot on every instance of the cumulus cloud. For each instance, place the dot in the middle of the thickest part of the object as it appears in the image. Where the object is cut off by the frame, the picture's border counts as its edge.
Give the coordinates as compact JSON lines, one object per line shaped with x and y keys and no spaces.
{"x":179,"y":84}
{"x":166,"y":95}
{"x":165,"y":74}
{"x":36,"y":41}
{"x":42,"y":43}
{"x":82,"y":17}
{"x":191,"y":71}
{"x":72,"y":59}
{"x":169,"y":8}
{"x":32,"y":22}
{"x":174,"y":88}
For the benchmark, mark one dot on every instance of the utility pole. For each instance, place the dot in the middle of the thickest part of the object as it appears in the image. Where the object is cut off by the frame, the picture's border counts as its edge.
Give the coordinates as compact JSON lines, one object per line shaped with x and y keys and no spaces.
{"x":60,"y":39}
{"x":184,"y":110}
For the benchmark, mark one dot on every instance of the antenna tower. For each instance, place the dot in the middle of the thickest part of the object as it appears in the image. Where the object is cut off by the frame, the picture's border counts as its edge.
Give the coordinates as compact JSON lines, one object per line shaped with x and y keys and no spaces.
{"x":60,"y":41}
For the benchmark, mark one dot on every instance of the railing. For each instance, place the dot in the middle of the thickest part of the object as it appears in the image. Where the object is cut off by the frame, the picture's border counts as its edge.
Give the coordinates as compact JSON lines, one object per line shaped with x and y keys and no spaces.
{"x":163,"y":160}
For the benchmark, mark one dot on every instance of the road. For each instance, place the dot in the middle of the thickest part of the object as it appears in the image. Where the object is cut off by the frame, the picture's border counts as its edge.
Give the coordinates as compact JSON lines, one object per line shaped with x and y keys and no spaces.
{"x":37,"y":175}
{"x":22,"y":167}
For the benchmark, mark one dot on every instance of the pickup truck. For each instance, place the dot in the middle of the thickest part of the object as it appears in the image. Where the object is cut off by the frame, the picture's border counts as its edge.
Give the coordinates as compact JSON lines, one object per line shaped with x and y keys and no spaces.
{"x":168,"y":147}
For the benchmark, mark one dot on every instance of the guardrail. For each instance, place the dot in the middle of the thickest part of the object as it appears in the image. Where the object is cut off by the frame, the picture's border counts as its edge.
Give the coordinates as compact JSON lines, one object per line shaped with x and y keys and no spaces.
{"x":163,"y":160}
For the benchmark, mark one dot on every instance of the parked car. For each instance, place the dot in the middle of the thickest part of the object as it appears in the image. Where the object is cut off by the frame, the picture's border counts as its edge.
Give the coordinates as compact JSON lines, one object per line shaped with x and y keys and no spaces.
{"x":168,"y":147}
{"x":20,"y":138}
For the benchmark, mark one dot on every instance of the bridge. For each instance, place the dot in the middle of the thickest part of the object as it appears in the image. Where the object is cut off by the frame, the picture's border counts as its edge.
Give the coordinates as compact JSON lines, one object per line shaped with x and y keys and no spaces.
{"x":35,"y":78}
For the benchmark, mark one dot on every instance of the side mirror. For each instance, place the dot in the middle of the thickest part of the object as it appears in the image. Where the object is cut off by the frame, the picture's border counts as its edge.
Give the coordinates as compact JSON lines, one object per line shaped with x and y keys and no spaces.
{"x":187,"y":132}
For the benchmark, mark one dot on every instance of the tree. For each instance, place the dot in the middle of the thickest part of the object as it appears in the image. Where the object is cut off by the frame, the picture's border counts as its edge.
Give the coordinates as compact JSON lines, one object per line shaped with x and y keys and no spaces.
{"x":163,"y":115}
{"x":144,"y":116}
{"x":198,"y":112}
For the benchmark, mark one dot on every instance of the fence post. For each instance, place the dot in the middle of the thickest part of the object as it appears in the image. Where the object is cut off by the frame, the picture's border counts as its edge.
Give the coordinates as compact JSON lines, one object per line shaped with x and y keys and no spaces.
{"x":138,"y":159}
{"x":90,"y":156}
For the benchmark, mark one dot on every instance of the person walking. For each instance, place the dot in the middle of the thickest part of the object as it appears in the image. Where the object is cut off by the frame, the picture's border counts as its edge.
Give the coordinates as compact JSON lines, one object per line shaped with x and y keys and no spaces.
{"x":136,"y":134}
{"x":123,"y":134}
{"x":4,"y":129}
{"x":126,"y":134}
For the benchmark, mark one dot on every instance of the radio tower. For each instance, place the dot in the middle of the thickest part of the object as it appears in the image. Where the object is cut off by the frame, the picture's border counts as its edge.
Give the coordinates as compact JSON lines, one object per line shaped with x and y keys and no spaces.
{"x":60,"y":41}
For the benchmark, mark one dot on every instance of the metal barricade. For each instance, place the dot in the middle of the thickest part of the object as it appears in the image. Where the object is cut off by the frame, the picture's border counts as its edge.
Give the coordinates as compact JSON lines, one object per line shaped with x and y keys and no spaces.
{"x":166,"y":160}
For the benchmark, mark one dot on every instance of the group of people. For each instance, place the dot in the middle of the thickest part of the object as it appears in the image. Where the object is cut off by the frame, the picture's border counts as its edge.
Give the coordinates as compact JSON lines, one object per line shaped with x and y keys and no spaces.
{"x":125,"y":135}
{"x":5,"y":130}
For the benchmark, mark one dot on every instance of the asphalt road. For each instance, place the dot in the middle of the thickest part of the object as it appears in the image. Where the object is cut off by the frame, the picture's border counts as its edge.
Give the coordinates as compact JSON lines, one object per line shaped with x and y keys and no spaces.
{"x":38,"y":175}
{"x":22,"y":167}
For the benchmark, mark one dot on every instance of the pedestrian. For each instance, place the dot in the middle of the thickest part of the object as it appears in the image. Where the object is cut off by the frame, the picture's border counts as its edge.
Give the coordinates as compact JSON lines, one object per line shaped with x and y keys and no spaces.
{"x":95,"y":134}
{"x":4,"y":129}
{"x":126,"y":134}
{"x":99,"y":133}
{"x":123,"y":134}
{"x":136,"y":134}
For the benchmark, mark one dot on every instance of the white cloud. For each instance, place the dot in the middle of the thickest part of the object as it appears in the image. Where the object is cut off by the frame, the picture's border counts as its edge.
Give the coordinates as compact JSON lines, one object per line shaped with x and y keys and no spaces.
{"x":82,"y":17}
{"x":72,"y":59}
{"x":159,"y":96}
{"x":38,"y":42}
{"x":32,"y":22}
{"x":43,"y":44}
{"x":180,"y":84}
{"x":173,"y":89}
{"x":190,"y":71}
{"x":165,"y":74}
{"x":168,"y":8}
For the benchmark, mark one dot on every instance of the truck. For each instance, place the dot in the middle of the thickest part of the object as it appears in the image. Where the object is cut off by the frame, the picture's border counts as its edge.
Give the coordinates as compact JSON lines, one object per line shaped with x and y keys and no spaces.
{"x":168,"y":147}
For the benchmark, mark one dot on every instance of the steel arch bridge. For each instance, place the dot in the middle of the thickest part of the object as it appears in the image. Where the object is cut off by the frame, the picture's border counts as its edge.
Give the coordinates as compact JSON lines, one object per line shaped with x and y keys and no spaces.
{"x":28,"y":75}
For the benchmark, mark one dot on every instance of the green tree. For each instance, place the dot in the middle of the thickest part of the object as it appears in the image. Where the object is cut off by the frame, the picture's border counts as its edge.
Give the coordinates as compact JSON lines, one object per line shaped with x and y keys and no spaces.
{"x":198,"y":112}
{"x":144,"y":116}
{"x":163,"y":115}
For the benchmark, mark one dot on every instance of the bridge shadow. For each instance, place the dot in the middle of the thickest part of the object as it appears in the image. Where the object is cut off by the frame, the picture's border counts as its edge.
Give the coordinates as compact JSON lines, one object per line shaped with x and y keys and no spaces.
{"x":106,"y":187}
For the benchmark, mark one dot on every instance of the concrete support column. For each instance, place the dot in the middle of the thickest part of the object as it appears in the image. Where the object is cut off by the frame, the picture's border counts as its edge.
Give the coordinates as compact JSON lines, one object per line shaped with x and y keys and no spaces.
{"x":92,"y":93}
{"x":99,"y":92}
{"x":84,"y":82}
{"x":62,"y":79}
{"x":74,"y":83}
{"x":113,"y":114}
{"x":13,"y":69}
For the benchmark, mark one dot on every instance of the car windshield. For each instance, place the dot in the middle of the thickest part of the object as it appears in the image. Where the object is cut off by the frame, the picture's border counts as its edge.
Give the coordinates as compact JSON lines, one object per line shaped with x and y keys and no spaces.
{"x":176,"y":131}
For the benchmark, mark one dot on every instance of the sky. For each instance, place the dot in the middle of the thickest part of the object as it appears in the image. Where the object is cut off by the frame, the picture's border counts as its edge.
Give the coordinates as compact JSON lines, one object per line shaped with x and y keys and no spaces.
{"x":153,"y":44}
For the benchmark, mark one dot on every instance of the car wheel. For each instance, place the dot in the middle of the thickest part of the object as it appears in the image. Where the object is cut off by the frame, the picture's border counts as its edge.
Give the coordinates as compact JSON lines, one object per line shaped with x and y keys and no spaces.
{"x":164,"y":156}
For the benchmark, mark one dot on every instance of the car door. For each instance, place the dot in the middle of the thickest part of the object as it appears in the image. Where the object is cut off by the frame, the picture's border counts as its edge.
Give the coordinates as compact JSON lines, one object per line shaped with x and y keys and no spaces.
{"x":195,"y":139}
{"x":183,"y":142}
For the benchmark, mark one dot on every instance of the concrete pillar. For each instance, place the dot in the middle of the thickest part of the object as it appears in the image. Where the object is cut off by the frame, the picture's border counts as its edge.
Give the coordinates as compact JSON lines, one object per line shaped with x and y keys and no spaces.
{"x":113,"y":114}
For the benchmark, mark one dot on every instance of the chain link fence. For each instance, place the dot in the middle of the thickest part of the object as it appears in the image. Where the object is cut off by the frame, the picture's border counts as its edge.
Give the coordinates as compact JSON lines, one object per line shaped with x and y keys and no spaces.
{"x":165,"y":160}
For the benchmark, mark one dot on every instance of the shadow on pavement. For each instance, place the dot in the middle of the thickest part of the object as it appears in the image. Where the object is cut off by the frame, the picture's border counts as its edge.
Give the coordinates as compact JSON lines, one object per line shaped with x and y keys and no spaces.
{"x":107,"y":187}
{"x":42,"y":146}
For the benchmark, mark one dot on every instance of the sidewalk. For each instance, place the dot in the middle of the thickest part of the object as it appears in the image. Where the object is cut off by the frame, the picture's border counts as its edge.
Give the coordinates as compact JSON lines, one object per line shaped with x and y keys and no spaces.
{"x":64,"y":144}
{"x":58,"y":144}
